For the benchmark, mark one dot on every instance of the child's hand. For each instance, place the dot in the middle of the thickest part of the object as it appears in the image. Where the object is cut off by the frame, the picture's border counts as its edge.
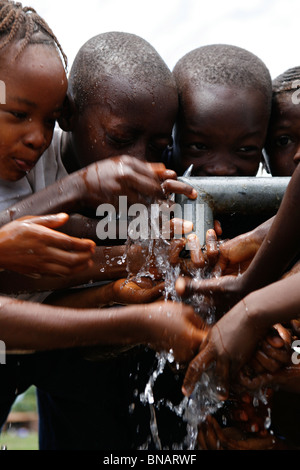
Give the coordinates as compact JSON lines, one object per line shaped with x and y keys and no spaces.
{"x":236,"y":254}
{"x":104,"y":181}
{"x":286,"y":378}
{"x":200,"y":258}
{"x":223,"y":292}
{"x":274,"y":351}
{"x":225,"y":350}
{"x":171,"y":185}
{"x":172,"y":325}
{"x":136,"y":291}
{"x":29,"y":246}
{"x":212,"y":437}
{"x":139,"y":257}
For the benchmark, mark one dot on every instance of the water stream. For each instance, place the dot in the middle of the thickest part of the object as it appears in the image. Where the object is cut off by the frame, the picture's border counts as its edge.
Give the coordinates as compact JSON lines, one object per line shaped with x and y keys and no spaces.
{"x":204,"y":400}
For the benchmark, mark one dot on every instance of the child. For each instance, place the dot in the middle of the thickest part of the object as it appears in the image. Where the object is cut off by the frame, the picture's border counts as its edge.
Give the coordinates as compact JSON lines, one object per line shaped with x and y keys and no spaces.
{"x":32,"y":326}
{"x":283,"y":138}
{"x":282,"y":149}
{"x":224,"y":108}
{"x":125,"y":71}
{"x":25,"y":132}
{"x":257,"y":298}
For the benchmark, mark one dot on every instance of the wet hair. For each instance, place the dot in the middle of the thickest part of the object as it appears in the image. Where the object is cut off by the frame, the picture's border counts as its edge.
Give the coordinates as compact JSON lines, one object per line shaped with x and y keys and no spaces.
{"x":116,"y":54}
{"x":223,"y":64}
{"x":287,"y":81}
{"x":22,"y":24}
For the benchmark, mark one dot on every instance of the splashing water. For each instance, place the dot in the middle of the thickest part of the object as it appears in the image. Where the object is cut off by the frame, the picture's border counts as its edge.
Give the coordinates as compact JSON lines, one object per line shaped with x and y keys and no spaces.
{"x":204,"y":400}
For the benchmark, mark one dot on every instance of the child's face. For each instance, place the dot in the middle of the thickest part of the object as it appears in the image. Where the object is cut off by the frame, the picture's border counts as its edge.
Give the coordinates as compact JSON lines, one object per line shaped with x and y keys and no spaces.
{"x":283,"y":140}
{"x":125,"y":120}
{"x":36,"y":86}
{"x":221,"y":131}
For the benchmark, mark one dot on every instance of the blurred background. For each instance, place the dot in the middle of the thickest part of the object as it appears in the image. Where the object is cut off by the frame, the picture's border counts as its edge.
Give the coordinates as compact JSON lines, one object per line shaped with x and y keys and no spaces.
{"x":268,"y":28}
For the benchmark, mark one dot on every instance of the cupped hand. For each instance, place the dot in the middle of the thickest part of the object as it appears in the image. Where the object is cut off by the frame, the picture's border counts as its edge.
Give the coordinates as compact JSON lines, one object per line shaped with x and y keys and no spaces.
{"x":136,"y":290}
{"x":225,"y":350}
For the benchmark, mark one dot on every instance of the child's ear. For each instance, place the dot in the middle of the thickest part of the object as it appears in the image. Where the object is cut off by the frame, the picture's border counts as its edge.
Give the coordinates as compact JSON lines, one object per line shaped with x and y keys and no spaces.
{"x":68,"y":114}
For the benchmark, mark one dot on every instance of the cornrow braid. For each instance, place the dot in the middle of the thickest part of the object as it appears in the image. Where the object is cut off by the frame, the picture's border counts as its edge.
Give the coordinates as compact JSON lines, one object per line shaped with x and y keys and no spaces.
{"x":18,"y":22}
{"x":287,"y":81}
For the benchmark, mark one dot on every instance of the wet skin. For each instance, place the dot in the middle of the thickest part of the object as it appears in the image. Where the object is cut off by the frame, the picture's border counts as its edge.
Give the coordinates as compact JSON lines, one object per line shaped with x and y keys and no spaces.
{"x":283,"y":140}
{"x":34,"y":99}
{"x":221,"y":130}
{"x":122,"y":121}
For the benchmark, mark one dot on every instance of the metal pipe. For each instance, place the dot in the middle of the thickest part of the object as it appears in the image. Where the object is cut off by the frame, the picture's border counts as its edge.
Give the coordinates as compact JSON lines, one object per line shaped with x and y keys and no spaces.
{"x":228,"y":195}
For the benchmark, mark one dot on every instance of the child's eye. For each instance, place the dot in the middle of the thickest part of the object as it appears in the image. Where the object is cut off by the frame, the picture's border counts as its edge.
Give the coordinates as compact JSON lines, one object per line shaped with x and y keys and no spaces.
{"x":118,"y":140}
{"x":283,"y":141}
{"x":19,"y":115}
{"x":248,"y":148}
{"x":160,"y":146}
{"x":198,"y":146}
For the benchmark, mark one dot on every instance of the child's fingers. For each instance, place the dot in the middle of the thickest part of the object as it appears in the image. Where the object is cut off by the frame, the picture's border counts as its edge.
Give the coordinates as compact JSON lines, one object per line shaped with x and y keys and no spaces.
{"x":64,"y":257}
{"x":58,"y":270}
{"x":194,"y":246}
{"x":195,"y":369}
{"x":164,"y":174}
{"x":52,"y":238}
{"x":176,"y":226}
{"x":50,"y":220}
{"x":212,"y":250}
{"x":267,"y":362}
{"x":178,"y":187}
{"x":282,"y":355}
{"x":186,"y":286}
{"x":283,"y":333}
{"x":218,"y":228}
{"x":176,"y":246}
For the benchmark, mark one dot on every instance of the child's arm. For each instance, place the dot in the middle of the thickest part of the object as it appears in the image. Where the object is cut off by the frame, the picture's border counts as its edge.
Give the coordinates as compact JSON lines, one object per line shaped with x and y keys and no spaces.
{"x":99,"y":270}
{"x":122,"y":291}
{"x":279,"y":248}
{"x":100,"y":182}
{"x":161,"y":325}
{"x":234,"y":338}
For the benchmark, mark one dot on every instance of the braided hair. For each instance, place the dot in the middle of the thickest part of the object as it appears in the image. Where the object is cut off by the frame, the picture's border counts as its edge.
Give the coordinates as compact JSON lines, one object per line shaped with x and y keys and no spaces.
{"x":22,"y":23}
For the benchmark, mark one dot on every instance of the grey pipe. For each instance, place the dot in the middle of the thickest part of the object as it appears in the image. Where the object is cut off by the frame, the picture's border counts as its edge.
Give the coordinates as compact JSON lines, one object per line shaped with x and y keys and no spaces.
{"x":228,"y":195}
